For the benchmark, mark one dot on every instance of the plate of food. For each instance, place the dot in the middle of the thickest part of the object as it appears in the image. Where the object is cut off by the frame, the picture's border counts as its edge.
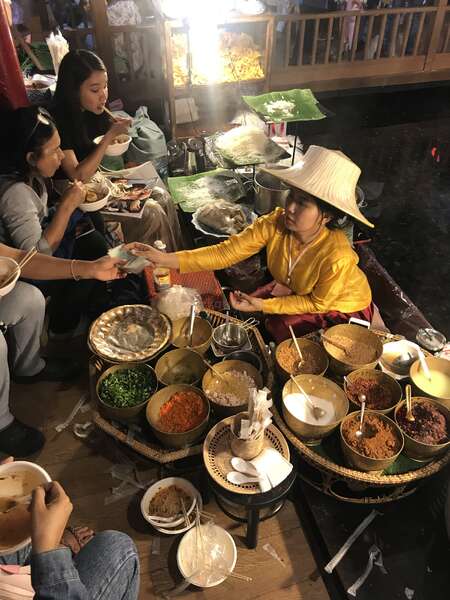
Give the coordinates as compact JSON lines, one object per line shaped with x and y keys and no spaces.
{"x":221,"y":219}
{"x":98,"y":193}
{"x":128,"y":196}
{"x":119,"y":145}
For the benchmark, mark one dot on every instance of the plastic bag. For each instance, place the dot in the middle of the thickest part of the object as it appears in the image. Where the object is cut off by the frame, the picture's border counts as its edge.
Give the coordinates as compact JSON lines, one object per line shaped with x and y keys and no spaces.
{"x":59,"y":47}
{"x":176,"y":302}
{"x":148,"y":142}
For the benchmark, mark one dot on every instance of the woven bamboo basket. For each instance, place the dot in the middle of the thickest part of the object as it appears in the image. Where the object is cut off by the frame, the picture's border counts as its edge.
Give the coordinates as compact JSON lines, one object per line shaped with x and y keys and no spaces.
{"x":145,"y":443}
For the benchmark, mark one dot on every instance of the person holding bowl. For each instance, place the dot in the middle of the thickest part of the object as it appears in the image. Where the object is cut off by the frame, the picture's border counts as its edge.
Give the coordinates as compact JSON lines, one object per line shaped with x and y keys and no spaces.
{"x":27,"y":166}
{"x":316,"y":279}
{"x":79,"y":110}
{"x":22,"y":313}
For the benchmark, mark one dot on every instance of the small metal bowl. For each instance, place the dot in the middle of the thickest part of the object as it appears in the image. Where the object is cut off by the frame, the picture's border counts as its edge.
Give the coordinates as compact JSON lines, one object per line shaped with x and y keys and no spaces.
{"x":246,"y":356}
{"x":383,"y":379}
{"x":230,"y":337}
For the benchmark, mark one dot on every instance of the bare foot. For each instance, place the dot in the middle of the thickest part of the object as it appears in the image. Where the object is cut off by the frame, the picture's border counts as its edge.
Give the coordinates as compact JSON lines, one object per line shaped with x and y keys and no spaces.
{"x":76,"y":538}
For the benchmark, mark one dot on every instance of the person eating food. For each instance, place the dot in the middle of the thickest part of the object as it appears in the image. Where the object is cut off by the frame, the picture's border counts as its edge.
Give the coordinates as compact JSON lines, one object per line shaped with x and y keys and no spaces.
{"x":26,"y":220}
{"x":79,"y":112}
{"x":22,"y":313}
{"x":316,"y":279}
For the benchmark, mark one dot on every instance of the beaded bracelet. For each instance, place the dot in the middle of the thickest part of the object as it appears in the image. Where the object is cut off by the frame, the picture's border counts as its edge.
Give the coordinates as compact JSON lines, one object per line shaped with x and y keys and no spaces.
{"x":75,"y":277}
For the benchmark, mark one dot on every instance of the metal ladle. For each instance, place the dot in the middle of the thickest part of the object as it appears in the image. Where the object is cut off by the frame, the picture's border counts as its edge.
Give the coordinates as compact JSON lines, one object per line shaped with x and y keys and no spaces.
{"x":316,"y":410}
{"x":403,"y":362}
{"x":409,"y":412}
{"x":191,"y":325}
{"x":297,"y":347}
{"x":360,"y":432}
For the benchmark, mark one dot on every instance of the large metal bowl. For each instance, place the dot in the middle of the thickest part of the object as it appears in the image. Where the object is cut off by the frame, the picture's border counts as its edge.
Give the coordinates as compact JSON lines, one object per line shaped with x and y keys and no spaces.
{"x":129,"y":413}
{"x":174,"y":440}
{"x":382,"y":379}
{"x":365,"y":463}
{"x":201,"y":336}
{"x":419,"y":450}
{"x":322,"y":388}
{"x":171,"y":367}
{"x":439,"y":386}
{"x":341,"y":365}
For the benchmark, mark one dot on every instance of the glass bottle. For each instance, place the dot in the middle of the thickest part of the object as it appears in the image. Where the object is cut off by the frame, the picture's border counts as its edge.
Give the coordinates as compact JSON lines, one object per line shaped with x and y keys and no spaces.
{"x":161,"y":275}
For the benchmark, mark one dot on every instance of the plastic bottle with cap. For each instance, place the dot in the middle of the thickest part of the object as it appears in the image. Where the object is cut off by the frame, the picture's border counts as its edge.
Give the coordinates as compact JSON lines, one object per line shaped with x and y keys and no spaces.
{"x":161,"y":275}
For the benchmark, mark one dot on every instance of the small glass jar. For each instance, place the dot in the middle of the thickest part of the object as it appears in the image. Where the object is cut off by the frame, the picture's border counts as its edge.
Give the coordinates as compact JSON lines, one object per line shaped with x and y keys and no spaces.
{"x":430,"y":339}
{"x":161,"y":275}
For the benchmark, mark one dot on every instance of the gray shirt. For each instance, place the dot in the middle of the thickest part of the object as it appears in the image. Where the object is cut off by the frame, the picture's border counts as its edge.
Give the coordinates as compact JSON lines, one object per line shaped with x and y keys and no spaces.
{"x":22,"y":212}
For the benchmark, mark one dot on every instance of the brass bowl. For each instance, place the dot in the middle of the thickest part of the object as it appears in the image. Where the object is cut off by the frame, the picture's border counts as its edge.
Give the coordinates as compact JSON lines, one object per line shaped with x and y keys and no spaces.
{"x":365,"y":463}
{"x":174,"y":440}
{"x":305,"y":345}
{"x":128,"y":413}
{"x":439,"y":389}
{"x":201,"y":338}
{"x":223,"y":367}
{"x":382,"y":379}
{"x":419,"y":450}
{"x":341,"y":365}
{"x":182,"y":360}
{"x":322,"y":388}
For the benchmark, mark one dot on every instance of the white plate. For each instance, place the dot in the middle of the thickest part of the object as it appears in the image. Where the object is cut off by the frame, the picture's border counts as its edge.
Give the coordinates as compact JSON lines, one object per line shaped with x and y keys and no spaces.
{"x":7,"y":265}
{"x":37,"y":477}
{"x":115,"y":149}
{"x":223,"y":545}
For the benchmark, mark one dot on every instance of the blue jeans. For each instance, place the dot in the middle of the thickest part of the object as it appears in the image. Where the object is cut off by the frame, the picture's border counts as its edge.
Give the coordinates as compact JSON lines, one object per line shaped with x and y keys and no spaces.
{"x":107,"y":568}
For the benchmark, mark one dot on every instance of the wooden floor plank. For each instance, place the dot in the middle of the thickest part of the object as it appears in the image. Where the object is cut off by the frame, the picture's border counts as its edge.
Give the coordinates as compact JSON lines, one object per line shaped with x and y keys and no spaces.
{"x":83,"y":468}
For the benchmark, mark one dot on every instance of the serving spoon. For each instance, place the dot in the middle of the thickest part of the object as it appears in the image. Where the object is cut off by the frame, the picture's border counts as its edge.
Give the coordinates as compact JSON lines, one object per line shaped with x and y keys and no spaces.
{"x":316,"y":410}
{"x":360,"y":432}
{"x":297,"y":347}
{"x":335,"y":344}
{"x":409,"y":412}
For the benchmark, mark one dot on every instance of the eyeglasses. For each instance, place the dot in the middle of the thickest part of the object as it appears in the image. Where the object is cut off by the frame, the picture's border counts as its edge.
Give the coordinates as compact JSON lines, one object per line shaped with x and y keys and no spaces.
{"x":42,"y":117}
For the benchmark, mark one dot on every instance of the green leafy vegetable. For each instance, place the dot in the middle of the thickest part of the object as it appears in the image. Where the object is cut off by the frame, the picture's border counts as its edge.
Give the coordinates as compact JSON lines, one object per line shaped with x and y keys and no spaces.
{"x":127,"y":387}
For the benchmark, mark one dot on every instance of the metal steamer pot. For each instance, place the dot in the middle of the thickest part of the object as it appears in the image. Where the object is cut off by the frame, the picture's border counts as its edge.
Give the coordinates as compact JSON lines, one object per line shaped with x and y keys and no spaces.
{"x":270,"y":192}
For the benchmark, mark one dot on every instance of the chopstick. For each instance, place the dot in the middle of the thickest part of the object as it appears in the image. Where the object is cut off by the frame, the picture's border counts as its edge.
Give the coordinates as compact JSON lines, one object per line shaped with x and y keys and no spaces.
{"x":108,"y":112}
{"x":186,"y":518}
{"x":26,"y":258}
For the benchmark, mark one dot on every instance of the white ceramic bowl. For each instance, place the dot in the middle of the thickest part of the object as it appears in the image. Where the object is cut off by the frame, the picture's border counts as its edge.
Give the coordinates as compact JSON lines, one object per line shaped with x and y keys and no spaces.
{"x":98,"y":205}
{"x":7,"y":265}
{"x":116,"y":149}
{"x":176,"y":523}
{"x":223,"y":549}
{"x":393,"y":350}
{"x":35,"y":476}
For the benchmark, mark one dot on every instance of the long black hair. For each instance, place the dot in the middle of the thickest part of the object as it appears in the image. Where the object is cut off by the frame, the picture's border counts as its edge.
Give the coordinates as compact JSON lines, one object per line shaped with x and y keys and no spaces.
{"x":25,"y":130}
{"x":75,"y":68}
{"x":338,"y":219}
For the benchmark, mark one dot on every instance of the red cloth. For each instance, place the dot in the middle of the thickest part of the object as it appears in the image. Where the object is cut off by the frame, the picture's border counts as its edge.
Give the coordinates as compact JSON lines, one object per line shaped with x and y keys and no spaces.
{"x":12,"y":87}
{"x":278,"y":325}
{"x":205,"y":283}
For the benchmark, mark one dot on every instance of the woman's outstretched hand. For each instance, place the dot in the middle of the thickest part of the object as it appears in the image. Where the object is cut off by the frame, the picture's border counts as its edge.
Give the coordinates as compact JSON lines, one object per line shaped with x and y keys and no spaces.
{"x":107,"y":268}
{"x":154,"y":256}
{"x":245,"y":303}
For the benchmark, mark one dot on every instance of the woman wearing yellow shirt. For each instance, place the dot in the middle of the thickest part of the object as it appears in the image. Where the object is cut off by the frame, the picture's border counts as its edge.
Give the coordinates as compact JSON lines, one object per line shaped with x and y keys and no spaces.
{"x":317,"y":282}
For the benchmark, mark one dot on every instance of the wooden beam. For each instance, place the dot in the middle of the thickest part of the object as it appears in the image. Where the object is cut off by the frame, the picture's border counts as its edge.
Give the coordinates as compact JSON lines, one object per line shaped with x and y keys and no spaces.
{"x":436,"y":33}
{"x":419,"y":33}
{"x":315,"y":39}
{"x":355,"y":38}
{"x":406,"y":32}
{"x":381,"y":38}
{"x":329,"y":38}
{"x":301,"y":43}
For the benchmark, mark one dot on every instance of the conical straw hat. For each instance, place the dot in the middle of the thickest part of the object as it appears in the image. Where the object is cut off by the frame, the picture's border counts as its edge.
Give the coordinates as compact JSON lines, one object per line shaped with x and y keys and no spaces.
{"x":328,"y":175}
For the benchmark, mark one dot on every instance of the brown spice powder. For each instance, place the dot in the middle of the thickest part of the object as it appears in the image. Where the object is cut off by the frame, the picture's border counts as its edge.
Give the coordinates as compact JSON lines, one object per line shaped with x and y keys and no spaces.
{"x":380,"y":439}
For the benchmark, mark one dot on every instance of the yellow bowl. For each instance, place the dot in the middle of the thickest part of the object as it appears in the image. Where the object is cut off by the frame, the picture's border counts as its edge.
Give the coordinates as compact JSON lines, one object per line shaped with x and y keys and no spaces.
{"x":419,"y":450}
{"x":382,"y":379}
{"x":174,"y":366}
{"x":339,"y":362}
{"x":322,"y":388}
{"x":128,"y":413}
{"x":224,"y":367}
{"x":306,"y":347}
{"x":439,"y":386}
{"x":175,"y":440}
{"x":365,"y":463}
{"x":201,"y":338}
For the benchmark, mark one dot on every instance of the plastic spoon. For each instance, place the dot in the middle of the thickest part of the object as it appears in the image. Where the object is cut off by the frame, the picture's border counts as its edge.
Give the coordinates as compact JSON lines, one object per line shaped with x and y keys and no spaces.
{"x":409,"y":411}
{"x":297,"y":347}
{"x":240,"y":479}
{"x":316,"y":410}
{"x":245,"y":467}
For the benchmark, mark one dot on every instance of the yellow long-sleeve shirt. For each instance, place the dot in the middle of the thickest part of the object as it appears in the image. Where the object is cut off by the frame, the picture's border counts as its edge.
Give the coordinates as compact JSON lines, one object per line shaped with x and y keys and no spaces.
{"x":326,"y":277}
